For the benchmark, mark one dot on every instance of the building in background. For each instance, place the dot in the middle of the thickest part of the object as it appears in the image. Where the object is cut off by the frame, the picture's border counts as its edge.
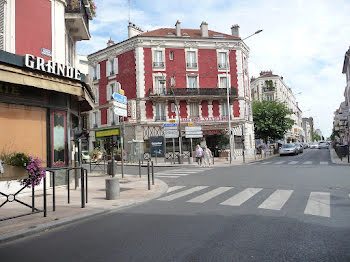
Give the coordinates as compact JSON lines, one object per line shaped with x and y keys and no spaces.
{"x":271,"y":87}
{"x":308,"y":127}
{"x":172,"y":73}
{"x":42,"y":94}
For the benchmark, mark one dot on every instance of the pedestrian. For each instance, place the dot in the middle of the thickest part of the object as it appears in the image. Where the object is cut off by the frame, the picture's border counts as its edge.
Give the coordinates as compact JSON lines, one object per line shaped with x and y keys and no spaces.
{"x":199,"y":155}
{"x":207,"y":156}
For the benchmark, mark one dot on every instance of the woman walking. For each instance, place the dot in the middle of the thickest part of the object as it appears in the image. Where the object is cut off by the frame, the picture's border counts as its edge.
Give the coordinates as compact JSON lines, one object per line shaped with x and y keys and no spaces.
{"x":207,"y":155}
{"x":199,"y":155}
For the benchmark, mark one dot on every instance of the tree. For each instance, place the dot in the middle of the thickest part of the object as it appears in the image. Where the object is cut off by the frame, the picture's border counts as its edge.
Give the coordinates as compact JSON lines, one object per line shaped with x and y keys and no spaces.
{"x":271,"y":119}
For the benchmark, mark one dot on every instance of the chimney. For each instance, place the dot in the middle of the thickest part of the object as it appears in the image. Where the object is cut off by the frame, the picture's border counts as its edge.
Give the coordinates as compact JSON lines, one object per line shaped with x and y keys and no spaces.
{"x":110,"y":42}
{"x":235,"y":30}
{"x":204,"y":29}
{"x":133,"y":30}
{"x":178,"y":28}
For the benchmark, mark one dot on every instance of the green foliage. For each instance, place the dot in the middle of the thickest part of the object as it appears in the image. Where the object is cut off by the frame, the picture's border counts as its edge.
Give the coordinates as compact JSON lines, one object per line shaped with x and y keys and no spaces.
{"x":315,"y":137}
{"x":223,"y":141}
{"x":271,"y":119}
{"x":15,"y":159}
{"x":269,"y":83}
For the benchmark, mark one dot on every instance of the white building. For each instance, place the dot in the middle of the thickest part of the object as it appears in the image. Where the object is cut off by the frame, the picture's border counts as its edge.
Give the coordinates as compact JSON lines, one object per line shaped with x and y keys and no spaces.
{"x":269,"y":86}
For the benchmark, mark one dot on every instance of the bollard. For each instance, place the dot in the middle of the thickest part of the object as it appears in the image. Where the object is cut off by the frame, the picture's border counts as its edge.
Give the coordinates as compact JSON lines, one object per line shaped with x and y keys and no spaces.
{"x":45,"y":205}
{"x":68,"y":186}
{"x":148,"y":176}
{"x":53,"y":192}
{"x":33,"y":196}
{"x":152,"y":174}
{"x":140,"y":168}
{"x":82,"y":188}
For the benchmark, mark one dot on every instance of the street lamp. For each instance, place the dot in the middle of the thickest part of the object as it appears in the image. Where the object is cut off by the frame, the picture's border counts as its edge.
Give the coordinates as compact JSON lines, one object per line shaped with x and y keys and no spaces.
{"x":256,"y":32}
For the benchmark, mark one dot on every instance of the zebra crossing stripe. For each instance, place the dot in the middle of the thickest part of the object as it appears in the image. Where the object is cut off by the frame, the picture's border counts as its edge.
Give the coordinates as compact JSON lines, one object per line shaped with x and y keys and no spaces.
{"x":171,"y":174}
{"x":179,"y":171}
{"x":307,"y":163}
{"x":265,"y":163}
{"x":318,"y":204}
{"x":323,"y":163}
{"x":292,"y":162}
{"x":276,"y":200}
{"x":241,"y":197}
{"x":168,"y":176}
{"x":209,"y":195}
{"x":182,"y":193}
{"x":279,"y":162}
{"x":174,"y":188}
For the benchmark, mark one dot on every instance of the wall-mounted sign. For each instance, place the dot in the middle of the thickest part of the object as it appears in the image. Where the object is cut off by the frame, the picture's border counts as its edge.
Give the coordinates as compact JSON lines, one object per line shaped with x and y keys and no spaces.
{"x":205,"y":119}
{"x":46,"y":52}
{"x":107,"y":132}
{"x":51,"y":67}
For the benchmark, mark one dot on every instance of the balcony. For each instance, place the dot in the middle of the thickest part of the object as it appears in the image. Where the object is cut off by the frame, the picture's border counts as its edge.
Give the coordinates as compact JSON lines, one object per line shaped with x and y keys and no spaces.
{"x":158,"y":64}
{"x":77,"y":15}
{"x":268,"y":89}
{"x":191,"y":65}
{"x":194,"y":92}
{"x":222,"y":66}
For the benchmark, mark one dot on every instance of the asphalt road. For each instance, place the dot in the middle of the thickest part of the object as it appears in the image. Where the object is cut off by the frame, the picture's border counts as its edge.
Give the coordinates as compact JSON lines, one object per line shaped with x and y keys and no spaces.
{"x":266,"y":211}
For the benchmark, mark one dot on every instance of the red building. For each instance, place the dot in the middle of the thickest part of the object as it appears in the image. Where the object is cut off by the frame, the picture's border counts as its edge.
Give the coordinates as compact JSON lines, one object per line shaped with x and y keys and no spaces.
{"x":172,"y":73}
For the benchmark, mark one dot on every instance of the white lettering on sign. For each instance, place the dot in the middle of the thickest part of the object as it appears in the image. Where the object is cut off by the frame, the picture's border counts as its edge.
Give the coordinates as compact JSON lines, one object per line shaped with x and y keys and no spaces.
{"x":51,"y":67}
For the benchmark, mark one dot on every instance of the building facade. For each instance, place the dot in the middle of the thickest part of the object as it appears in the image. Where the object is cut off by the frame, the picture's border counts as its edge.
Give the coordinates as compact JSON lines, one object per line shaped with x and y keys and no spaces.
{"x":177,"y":75}
{"x":271,"y":87}
{"x":42,"y":94}
{"x":308,"y":126}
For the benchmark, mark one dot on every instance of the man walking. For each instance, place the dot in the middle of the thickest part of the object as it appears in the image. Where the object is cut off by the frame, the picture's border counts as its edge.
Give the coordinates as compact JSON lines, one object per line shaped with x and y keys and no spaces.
{"x":199,"y":155}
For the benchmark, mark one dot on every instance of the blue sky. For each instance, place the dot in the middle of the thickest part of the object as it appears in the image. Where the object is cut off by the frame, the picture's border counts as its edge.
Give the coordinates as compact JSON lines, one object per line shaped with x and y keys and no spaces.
{"x":303,"y":40}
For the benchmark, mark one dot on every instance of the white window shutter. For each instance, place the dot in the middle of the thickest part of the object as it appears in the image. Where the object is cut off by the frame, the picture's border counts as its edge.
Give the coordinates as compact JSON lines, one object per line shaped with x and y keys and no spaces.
{"x":98,"y":71}
{"x":108,"y":68}
{"x":91,"y":72}
{"x":119,"y":86}
{"x":99,"y":118}
{"x":115,"y":66}
{"x":108,"y":89}
{"x":91,"y":120}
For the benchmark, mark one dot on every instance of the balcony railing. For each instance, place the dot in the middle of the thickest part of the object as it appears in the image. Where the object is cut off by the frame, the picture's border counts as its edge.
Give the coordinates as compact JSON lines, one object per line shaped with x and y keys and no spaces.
{"x":75,"y":11}
{"x":222,"y":66}
{"x":191,"y":65}
{"x":158,"y":64}
{"x":269,"y":89}
{"x":196,"y":92}
{"x":160,"y":118}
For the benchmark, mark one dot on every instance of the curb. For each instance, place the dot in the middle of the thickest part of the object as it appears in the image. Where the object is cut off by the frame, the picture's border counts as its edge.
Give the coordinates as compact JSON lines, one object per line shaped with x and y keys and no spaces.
{"x":333,"y":160}
{"x":69,"y":220}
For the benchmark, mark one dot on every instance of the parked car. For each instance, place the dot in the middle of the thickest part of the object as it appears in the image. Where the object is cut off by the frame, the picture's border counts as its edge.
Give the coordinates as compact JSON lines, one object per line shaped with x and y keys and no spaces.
{"x":314,"y":145}
{"x":323,"y":145}
{"x":288,"y":149}
{"x":85,"y":156}
{"x":299,"y":147}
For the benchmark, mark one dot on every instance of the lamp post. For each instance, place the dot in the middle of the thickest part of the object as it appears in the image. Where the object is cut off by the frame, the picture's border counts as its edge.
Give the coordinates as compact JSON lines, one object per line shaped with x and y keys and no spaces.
{"x":256,"y":32}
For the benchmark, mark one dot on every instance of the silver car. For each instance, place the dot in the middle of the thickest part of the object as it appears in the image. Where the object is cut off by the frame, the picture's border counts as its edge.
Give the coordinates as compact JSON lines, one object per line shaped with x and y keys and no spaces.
{"x":299,"y":147}
{"x":288,"y":149}
{"x":323,"y":145}
{"x":314,"y":145}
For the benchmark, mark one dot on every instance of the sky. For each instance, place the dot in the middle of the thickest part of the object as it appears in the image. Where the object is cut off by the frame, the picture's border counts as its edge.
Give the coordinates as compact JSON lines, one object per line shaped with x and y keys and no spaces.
{"x":302,"y":40}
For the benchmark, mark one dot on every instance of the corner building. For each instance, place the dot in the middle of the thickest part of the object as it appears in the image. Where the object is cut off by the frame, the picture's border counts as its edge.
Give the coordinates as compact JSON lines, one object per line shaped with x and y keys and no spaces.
{"x":172,"y":73}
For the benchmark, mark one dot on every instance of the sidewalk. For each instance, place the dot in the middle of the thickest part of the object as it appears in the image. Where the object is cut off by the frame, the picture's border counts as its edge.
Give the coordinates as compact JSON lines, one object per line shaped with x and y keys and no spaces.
{"x":336,"y":160}
{"x":133,"y":190}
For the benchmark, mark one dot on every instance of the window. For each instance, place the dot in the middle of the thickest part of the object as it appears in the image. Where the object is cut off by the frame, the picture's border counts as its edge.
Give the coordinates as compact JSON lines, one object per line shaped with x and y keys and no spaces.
{"x":112,"y":88}
{"x":112,"y":67}
{"x":172,"y":81}
{"x":92,"y":72}
{"x":160,"y":85}
{"x":224,"y":109}
{"x":115,"y":66}
{"x":269,"y":97}
{"x":223,"y":82}
{"x":108,"y":68}
{"x":158,"y":59}
{"x":192,"y":81}
{"x":191,"y":59}
{"x":160,"y":112}
{"x":194,"y":110}
{"x":113,"y":118}
{"x":95,"y":119}
{"x":222,"y":60}
{"x":171,"y":55}
{"x":70,"y":53}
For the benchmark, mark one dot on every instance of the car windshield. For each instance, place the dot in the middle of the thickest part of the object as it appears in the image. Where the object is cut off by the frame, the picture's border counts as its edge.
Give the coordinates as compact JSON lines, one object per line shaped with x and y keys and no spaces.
{"x":288,"y":145}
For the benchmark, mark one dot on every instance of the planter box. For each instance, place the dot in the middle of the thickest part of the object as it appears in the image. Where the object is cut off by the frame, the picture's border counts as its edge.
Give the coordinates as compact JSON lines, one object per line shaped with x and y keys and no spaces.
{"x":13,"y":173}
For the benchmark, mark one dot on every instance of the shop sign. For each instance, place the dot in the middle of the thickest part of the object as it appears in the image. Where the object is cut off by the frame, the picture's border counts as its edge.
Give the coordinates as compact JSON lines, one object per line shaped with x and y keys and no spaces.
{"x":205,"y":119}
{"x":107,"y":132}
{"x":38,"y":63}
{"x":157,"y":146}
{"x":211,"y":132}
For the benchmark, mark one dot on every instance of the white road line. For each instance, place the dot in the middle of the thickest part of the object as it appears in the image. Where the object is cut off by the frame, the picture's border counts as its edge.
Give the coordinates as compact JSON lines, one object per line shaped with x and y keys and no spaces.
{"x":169,"y":176}
{"x":182,"y":193}
{"x":174,"y":188}
{"x":175,"y":172}
{"x":318,"y":204}
{"x":323,"y":163}
{"x":279,"y":162}
{"x":265,"y":163}
{"x":241,"y":197}
{"x":292,"y":162}
{"x":209,"y":195}
{"x":307,"y":163}
{"x":277,"y":199}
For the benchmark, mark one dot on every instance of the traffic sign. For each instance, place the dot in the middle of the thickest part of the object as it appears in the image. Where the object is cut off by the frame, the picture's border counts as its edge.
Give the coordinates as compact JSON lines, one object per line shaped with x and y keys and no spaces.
{"x":171,"y":133}
{"x":172,"y":120}
{"x":118,"y":104}
{"x":120,"y":111}
{"x":193,"y":128}
{"x":169,"y":124}
{"x":193,"y":132}
{"x":190,"y":124}
{"x":119,"y":98}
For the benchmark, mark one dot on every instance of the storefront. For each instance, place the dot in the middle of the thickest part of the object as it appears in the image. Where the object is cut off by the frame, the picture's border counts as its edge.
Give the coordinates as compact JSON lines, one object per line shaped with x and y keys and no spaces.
{"x":40,"y":108}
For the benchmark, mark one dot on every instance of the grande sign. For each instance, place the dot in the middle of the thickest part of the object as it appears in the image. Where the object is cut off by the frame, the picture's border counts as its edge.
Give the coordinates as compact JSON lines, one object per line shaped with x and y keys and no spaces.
{"x":51,"y":67}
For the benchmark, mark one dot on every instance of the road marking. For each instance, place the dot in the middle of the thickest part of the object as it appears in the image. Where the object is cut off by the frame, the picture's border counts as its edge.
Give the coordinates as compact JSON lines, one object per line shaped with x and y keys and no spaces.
{"x":292,"y":162}
{"x":175,"y":172}
{"x":174,"y":188}
{"x":323,"y":163}
{"x":277,"y":199}
{"x":279,"y":162}
{"x":318,"y":204}
{"x":169,"y":176}
{"x":209,"y":195}
{"x":307,"y":163}
{"x":265,"y":163}
{"x":241,"y":197}
{"x":182,"y":193}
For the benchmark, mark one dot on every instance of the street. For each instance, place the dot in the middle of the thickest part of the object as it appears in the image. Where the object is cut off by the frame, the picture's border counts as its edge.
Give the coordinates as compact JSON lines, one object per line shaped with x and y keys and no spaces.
{"x":293,"y":208}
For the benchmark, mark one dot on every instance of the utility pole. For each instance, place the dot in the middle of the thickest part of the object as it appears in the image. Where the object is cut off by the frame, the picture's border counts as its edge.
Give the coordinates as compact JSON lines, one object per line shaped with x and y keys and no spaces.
{"x":228,"y":104}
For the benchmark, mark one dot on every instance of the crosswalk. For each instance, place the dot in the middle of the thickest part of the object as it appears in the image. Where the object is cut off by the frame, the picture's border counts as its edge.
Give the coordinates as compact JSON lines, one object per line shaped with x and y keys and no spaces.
{"x":176,"y":173}
{"x":317,"y":204}
{"x":285,"y":162}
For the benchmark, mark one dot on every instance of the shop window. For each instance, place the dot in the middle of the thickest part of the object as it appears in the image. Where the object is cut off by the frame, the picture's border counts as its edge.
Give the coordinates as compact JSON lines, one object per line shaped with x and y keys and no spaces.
{"x":59,"y":138}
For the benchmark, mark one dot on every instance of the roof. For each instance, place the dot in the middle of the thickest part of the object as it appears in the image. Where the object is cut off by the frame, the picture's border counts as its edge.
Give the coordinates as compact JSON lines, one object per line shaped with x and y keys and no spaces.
{"x":193,"y":33}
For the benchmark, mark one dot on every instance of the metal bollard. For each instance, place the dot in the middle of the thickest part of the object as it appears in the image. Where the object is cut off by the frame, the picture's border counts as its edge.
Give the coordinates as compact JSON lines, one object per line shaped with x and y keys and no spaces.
{"x":152,"y":174}
{"x":86,"y":185}
{"x":44,"y":185}
{"x":33,"y":201}
{"x":140,"y":168}
{"x":68,"y":185}
{"x":53,"y":192}
{"x":148,"y":177}
{"x":82,"y":188}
